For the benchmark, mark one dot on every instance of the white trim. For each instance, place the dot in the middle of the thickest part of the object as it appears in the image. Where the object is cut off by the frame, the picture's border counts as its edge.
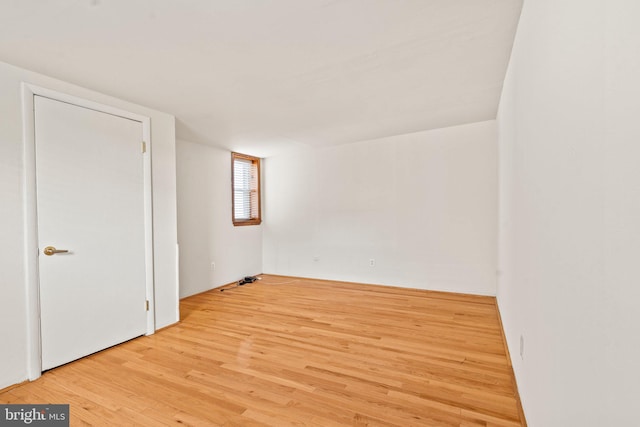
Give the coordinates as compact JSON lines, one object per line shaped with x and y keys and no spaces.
{"x":148,"y":225}
{"x":177,"y":317}
{"x":70,"y":99}
{"x":34,"y":351}
{"x":34,"y":359}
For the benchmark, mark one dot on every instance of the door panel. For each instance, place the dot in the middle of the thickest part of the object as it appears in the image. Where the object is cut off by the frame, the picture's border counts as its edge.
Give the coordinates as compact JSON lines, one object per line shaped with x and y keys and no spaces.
{"x":90,"y":201}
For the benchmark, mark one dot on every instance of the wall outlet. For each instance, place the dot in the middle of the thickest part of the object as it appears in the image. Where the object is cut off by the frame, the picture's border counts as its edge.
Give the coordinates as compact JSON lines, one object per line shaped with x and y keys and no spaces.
{"x":372,"y":262}
{"x":213,"y":266}
{"x":521,"y":347}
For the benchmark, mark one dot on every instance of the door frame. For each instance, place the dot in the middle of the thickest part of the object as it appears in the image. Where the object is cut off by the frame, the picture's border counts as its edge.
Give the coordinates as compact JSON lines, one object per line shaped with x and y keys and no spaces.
{"x":29,"y":91}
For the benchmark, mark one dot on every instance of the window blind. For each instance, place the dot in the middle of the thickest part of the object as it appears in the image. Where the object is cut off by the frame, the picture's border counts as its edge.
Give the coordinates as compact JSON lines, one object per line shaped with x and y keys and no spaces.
{"x":242,"y":188}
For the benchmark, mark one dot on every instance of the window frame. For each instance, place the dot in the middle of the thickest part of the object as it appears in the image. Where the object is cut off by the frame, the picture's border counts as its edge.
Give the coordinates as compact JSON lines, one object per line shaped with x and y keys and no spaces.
{"x":255,"y":161}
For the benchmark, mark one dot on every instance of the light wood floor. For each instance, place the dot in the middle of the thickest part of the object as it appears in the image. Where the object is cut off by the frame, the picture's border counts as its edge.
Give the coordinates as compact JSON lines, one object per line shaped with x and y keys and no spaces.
{"x":286,"y":351}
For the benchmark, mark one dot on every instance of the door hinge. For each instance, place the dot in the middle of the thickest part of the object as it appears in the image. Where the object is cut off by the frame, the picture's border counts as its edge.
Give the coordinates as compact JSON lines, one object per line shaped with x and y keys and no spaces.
{"x":144,"y":147}
{"x":147,"y":305}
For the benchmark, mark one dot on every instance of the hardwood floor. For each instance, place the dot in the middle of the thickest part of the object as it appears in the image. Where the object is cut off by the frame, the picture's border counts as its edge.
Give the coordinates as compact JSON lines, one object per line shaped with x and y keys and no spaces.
{"x":286,"y":351}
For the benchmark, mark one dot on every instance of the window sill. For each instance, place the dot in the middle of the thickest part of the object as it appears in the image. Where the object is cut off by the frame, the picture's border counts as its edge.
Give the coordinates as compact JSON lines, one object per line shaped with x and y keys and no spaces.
{"x":247,"y":222}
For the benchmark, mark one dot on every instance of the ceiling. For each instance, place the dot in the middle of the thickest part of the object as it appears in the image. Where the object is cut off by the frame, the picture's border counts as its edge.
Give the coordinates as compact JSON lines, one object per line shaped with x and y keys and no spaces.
{"x":261,"y":76}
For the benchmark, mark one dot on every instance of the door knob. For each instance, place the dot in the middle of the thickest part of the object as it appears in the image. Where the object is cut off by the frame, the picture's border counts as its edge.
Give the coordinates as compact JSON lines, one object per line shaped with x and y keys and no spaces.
{"x":50,"y":250}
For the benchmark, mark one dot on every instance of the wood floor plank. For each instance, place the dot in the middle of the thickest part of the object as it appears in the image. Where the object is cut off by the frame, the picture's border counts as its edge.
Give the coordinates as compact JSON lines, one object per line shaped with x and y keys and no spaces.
{"x":287,"y":351}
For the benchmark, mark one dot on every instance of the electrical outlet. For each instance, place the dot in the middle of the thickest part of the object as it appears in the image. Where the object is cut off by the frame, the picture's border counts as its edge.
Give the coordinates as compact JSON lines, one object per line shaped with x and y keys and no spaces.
{"x":213,"y":266}
{"x":521,"y":347}
{"x":372,"y":262}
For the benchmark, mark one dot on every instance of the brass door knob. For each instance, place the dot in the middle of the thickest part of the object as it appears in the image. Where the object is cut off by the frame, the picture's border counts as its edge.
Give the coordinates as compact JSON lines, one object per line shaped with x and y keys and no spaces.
{"x":50,"y":250}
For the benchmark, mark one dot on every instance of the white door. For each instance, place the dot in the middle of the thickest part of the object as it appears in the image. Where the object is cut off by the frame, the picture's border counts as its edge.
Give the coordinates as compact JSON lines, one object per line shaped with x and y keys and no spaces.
{"x":90,"y":202}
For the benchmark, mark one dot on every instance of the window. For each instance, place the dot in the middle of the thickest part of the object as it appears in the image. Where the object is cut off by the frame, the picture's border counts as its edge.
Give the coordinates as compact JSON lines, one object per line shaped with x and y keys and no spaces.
{"x":245,"y":185}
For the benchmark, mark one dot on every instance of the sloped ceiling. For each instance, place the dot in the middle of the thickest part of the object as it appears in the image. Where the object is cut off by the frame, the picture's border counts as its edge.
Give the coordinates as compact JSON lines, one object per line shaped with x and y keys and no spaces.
{"x":260,"y":76}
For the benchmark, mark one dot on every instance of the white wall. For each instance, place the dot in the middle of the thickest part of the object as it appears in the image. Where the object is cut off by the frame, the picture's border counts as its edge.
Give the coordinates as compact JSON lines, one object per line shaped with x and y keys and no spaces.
{"x":13,"y":315}
{"x":423,"y":205}
{"x":569,"y":147}
{"x":205,"y":229}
